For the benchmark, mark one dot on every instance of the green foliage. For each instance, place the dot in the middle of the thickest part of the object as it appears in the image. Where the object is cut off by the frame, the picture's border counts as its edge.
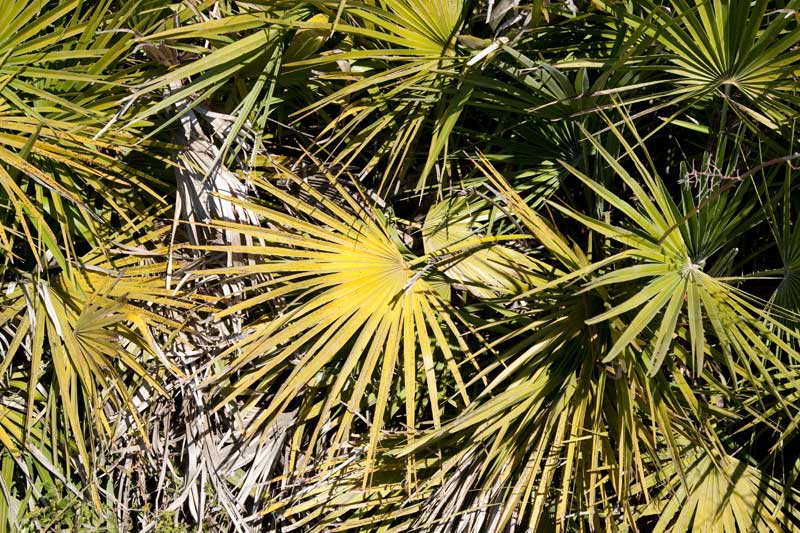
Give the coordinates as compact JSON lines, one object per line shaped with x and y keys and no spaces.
{"x":399,"y":265}
{"x":167,"y":524}
{"x":68,"y":514}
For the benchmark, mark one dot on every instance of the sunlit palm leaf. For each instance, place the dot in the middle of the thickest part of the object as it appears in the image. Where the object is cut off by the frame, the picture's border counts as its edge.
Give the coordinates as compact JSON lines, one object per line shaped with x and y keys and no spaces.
{"x":723,"y":494}
{"x":356,"y":312}
{"x":88,"y":342}
{"x":743,"y":52}
{"x":55,"y":96}
{"x":676,"y":278}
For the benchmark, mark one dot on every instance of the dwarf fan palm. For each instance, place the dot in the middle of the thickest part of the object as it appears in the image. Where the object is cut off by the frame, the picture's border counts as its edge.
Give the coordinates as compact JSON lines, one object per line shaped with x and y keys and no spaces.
{"x":399,"y":265}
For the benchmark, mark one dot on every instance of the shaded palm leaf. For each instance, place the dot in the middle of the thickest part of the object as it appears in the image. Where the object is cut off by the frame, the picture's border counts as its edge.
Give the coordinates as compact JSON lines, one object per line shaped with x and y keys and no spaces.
{"x":486,"y":272}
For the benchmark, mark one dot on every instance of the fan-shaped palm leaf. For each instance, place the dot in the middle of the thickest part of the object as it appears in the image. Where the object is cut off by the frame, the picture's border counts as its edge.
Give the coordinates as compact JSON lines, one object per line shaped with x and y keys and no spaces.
{"x":744,"y":52}
{"x":358,"y":309}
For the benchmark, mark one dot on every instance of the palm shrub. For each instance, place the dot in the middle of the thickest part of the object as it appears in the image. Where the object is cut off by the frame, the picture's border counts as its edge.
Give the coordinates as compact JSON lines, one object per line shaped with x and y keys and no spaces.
{"x":396,"y":265}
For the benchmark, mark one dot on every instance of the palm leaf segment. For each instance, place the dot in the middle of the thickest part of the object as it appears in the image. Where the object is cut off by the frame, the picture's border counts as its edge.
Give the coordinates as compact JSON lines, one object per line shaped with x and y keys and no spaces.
{"x":744,"y":51}
{"x":55,"y":97}
{"x":356,"y":311}
{"x":404,"y":58}
{"x":487,"y":271}
{"x":580,"y":419}
{"x":84,"y":344}
{"x":676,"y":281}
{"x":721,"y":494}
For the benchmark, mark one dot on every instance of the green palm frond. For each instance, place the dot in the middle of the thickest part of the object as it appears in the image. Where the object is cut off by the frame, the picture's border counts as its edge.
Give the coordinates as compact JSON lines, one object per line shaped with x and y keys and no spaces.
{"x":587,"y":419}
{"x":403,"y":60}
{"x":88,"y":343}
{"x":743,"y":53}
{"x":675,"y":277}
{"x":723,"y":494}
{"x":56,"y":96}
{"x":358,"y":310}
{"x":399,"y":265}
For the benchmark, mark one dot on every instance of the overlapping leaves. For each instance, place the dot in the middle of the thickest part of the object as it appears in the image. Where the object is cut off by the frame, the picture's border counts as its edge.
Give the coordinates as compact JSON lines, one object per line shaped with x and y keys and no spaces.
{"x":355,"y":311}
